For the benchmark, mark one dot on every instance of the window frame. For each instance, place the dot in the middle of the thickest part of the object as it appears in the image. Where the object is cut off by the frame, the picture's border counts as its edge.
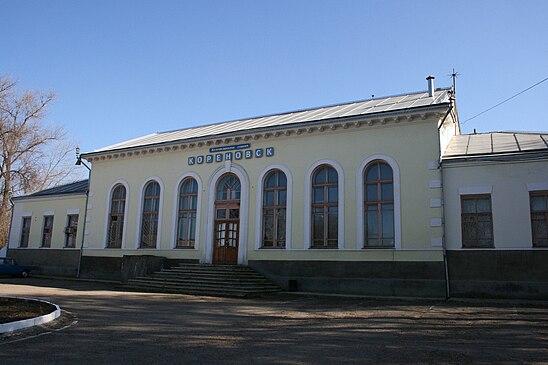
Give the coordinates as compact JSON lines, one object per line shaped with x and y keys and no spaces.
{"x":275,"y":208}
{"x":471,"y":245}
{"x":308,"y":203}
{"x":110,"y":215}
{"x":181,"y":195}
{"x":378,"y":203}
{"x":45,"y":238}
{"x":68,"y":234}
{"x":534,"y":193}
{"x":25,"y":234}
{"x":156,"y":235}
{"x":325,"y":205}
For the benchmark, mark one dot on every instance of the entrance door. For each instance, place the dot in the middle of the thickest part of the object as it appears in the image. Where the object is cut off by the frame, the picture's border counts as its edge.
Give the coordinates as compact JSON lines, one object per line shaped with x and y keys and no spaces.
{"x":227,"y":220}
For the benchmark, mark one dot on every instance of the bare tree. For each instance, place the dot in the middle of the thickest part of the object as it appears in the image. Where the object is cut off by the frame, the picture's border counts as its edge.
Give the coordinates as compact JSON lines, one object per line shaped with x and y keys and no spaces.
{"x":34,"y":155}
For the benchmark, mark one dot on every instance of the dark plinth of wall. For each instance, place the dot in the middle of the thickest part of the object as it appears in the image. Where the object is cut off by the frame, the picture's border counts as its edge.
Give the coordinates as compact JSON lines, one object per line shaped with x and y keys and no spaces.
{"x":120,"y":268}
{"x":135,"y":266}
{"x":52,"y":262}
{"x":509,"y":274}
{"x":102,"y":268}
{"x":411,"y":279}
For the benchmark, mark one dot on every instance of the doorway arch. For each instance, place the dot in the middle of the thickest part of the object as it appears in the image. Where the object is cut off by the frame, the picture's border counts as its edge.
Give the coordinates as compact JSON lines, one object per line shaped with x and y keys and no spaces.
{"x":226,"y":231}
{"x":215,"y":179}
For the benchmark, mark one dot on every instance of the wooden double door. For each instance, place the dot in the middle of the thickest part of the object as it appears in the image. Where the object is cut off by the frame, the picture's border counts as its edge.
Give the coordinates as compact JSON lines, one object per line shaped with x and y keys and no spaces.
{"x":227,"y":221}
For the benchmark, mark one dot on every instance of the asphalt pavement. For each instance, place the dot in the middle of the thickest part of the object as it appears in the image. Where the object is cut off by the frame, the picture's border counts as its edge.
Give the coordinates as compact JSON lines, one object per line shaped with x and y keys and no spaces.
{"x":103,"y":324}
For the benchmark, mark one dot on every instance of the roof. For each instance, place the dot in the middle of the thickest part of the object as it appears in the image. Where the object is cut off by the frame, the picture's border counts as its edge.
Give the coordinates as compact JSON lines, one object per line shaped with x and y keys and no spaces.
{"x":496,"y":144}
{"x":77,"y":187}
{"x":389,"y":104}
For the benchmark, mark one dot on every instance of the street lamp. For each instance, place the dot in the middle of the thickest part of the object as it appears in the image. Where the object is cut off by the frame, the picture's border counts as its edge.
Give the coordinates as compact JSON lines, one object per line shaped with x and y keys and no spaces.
{"x":78,"y":163}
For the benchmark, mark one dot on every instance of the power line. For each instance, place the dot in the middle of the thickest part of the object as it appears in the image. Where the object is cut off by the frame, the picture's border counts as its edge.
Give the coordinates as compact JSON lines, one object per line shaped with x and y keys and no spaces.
{"x":504,"y":101}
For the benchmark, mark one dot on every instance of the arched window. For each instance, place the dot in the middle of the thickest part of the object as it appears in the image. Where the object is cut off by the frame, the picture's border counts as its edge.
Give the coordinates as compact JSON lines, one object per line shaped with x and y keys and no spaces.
{"x":116,"y":217}
{"x":379,"y":205}
{"x":151,"y":209}
{"x":274,"y":209}
{"x":186,"y":219}
{"x":229,"y":188}
{"x":325,"y":207}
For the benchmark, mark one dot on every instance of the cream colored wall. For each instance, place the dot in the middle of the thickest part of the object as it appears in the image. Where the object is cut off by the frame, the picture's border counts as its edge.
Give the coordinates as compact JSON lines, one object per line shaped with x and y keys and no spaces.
{"x":37,"y":207}
{"x":509,"y":198}
{"x":413,"y":145}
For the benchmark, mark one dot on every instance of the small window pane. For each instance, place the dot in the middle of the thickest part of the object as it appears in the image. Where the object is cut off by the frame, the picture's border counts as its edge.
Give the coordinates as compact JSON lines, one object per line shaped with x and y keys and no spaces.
{"x":469,"y":206}
{"x":372,"y":224}
{"x":386,"y":172}
{"x":483,"y":205}
{"x":333,"y":194}
{"x":538,"y":203}
{"x":271,"y":180}
{"x":318,"y":227}
{"x":282,"y":180}
{"x":281,"y":226}
{"x":372,"y":173}
{"x":193,"y":202}
{"x":269,"y":198}
{"x":388,"y":224}
{"x":318,"y":195}
{"x":332,"y":176}
{"x":387,"y":191}
{"x":268,"y":233}
{"x":282,"y":196}
{"x":320,"y":176}
{"x":221,"y":213}
{"x":333,"y":227}
{"x":371,"y":192}
{"x":387,"y":208}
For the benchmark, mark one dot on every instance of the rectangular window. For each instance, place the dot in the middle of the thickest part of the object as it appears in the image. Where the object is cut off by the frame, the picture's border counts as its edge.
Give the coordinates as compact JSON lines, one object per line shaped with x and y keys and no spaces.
{"x":476,"y":221}
{"x":71,"y":230}
{"x":25,"y":232}
{"x":47,"y":231}
{"x":539,"y":217}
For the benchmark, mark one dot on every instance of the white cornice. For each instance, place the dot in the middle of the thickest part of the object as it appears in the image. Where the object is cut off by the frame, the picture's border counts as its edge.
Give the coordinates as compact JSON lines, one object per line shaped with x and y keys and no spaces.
{"x":282,"y":132}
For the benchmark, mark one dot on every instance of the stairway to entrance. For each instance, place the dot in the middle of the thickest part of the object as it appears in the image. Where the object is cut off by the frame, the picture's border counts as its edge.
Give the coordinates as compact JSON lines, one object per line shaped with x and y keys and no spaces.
{"x":206,"y":279}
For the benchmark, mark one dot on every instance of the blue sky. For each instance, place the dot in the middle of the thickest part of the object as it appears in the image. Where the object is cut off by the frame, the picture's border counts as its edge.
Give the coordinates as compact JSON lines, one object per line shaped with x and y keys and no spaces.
{"x":122,"y":69}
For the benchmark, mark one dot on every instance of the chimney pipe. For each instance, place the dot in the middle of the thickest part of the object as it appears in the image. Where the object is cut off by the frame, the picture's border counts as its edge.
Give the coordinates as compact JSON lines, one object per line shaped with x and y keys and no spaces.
{"x":430,"y":80}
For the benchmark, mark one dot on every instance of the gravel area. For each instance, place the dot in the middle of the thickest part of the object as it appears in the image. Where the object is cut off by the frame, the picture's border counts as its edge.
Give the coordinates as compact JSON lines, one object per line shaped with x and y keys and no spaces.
{"x":13,"y":309}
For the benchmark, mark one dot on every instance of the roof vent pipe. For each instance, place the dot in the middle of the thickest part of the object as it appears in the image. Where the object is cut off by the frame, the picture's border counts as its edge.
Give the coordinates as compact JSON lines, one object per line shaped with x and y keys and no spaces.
{"x":430,"y":80}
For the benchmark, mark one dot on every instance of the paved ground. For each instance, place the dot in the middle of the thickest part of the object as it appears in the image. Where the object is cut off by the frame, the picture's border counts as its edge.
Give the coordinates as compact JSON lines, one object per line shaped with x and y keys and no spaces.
{"x":117,"y":327}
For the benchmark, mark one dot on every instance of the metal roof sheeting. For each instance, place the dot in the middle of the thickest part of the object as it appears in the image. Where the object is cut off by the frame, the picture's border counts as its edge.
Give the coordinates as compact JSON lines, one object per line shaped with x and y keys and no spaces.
{"x":485,"y":144}
{"x":72,"y":188}
{"x":357,"y":108}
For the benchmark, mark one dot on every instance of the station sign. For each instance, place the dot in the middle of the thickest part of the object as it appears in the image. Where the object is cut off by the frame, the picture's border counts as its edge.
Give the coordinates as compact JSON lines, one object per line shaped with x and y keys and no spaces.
{"x":230,"y":153}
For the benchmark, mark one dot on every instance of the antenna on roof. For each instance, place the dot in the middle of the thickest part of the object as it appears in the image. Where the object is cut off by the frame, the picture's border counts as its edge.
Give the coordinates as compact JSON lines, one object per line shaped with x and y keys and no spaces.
{"x":454,"y":76}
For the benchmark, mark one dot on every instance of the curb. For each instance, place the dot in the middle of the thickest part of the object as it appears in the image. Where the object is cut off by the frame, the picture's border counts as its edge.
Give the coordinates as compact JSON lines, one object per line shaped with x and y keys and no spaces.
{"x":26,"y":323}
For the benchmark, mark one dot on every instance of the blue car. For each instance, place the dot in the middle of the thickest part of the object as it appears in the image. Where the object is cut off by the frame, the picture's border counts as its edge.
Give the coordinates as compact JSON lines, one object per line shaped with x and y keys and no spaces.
{"x":10,"y":267}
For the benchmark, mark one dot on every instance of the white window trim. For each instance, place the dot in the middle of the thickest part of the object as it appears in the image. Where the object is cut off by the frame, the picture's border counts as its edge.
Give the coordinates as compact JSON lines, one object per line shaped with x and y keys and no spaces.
{"x":207,"y":252}
{"x":259,"y":205}
{"x":140,"y":213}
{"x":196,"y":177}
{"x":473,"y":190}
{"x":75,"y":211}
{"x":360,"y":198}
{"x":308,"y":202}
{"x":537,"y":186}
{"x":107,"y":213}
{"x":47,"y":213}
{"x":23,"y":216}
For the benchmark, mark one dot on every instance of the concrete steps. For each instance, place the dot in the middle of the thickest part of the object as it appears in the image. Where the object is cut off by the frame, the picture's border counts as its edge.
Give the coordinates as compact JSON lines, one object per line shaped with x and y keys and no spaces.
{"x":205,"y":279}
